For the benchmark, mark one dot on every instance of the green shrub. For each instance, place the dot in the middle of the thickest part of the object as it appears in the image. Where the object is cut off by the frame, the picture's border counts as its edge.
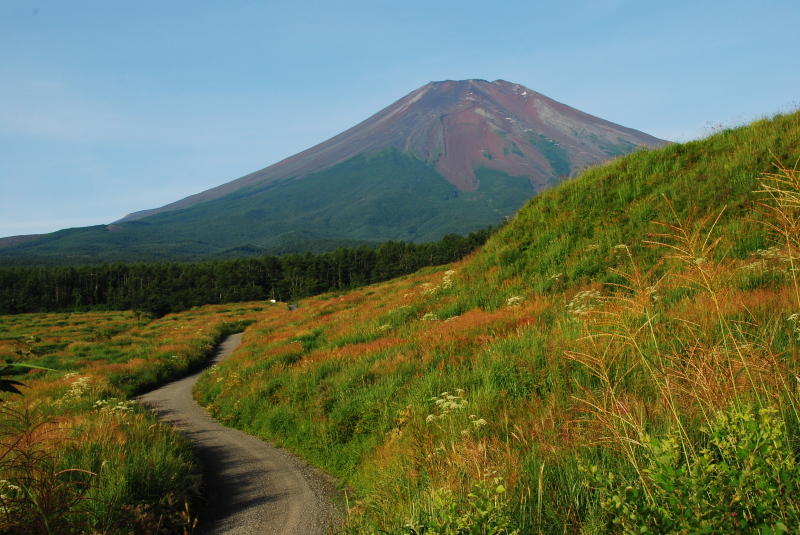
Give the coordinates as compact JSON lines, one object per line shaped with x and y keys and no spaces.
{"x":745,"y":480}
{"x":485,"y":511}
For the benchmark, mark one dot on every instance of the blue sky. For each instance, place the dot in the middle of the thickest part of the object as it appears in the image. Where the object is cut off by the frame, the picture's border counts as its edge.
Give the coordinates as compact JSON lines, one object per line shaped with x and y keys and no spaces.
{"x":109,"y":107}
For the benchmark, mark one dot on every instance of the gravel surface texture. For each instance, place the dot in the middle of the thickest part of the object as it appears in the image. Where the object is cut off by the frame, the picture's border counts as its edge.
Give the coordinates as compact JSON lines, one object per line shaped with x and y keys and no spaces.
{"x":252,"y":487}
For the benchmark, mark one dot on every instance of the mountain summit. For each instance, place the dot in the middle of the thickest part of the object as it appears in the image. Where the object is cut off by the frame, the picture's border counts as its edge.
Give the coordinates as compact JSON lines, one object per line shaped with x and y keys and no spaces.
{"x":451,"y":157}
{"x":457,"y":126}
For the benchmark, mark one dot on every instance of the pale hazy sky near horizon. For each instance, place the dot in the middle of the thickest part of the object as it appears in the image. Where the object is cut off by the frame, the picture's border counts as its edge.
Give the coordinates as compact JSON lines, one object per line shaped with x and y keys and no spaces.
{"x":110,"y":107}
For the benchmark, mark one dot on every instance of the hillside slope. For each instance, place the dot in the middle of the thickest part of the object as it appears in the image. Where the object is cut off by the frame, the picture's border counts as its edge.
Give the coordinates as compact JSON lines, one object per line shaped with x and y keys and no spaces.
{"x":451,"y":157}
{"x":494,"y":381}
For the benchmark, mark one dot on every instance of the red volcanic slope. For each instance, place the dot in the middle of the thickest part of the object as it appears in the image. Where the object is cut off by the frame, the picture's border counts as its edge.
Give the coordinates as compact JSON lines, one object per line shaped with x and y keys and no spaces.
{"x":456,"y":126}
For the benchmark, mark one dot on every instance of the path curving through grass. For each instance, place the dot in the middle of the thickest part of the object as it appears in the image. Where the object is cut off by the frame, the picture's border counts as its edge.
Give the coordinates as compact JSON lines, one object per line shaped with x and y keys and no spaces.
{"x":251,"y":486}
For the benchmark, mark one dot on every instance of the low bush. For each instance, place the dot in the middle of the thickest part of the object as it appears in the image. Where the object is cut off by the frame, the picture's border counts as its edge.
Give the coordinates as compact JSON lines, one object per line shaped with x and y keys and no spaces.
{"x":744,"y":479}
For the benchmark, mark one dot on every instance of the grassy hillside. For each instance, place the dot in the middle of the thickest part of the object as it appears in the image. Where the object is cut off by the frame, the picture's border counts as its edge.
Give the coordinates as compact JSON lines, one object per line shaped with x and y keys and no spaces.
{"x":583,"y":340}
{"x":623,"y":357}
{"x":367,"y":199}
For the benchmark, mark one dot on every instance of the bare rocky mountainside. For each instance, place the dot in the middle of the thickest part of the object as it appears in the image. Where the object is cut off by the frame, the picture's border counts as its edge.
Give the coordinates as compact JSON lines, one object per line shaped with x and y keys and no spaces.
{"x":451,"y":157}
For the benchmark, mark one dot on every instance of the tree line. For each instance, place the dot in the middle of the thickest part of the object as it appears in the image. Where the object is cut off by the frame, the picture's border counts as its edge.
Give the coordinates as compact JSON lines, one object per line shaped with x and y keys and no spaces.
{"x":161,"y":288}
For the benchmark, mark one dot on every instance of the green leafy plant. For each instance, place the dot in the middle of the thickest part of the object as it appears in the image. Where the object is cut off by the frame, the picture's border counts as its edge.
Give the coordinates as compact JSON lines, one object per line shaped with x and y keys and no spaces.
{"x":485,"y":511}
{"x":12,"y":365}
{"x":745,"y":480}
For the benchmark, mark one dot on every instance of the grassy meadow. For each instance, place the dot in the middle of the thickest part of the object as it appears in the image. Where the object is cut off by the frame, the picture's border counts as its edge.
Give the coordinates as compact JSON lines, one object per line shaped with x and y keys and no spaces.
{"x":77,"y":455}
{"x":622,"y":357}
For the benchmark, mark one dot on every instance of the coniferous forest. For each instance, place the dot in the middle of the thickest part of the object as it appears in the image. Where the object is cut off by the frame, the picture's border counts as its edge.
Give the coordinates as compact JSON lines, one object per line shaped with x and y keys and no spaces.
{"x":161,"y":288}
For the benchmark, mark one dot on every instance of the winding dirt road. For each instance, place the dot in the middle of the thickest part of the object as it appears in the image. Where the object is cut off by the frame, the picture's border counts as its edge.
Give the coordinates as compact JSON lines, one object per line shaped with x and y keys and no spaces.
{"x":252,"y":487}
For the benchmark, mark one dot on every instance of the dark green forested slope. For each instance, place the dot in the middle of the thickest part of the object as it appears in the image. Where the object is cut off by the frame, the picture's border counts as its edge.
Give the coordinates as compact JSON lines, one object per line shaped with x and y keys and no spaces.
{"x":159,"y":288}
{"x":368,"y":199}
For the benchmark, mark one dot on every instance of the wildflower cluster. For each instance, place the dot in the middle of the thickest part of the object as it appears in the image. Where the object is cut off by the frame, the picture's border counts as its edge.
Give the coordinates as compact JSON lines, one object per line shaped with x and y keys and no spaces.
{"x":9,"y":492}
{"x":114,"y":406}
{"x":767,"y":260}
{"x":772,"y":253}
{"x":430,"y":316}
{"x":214,"y":371}
{"x":583,"y":303}
{"x":446,"y":403}
{"x":514,"y":300}
{"x":476,"y":422}
{"x":447,"y":282}
{"x":77,"y":389}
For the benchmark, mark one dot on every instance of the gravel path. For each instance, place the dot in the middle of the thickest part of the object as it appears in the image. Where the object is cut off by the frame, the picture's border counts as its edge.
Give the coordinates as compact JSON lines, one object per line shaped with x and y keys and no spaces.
{"x":252,"y":486}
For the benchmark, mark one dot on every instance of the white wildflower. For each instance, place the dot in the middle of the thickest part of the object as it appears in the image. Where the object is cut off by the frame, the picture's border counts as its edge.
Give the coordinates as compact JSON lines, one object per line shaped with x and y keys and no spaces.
{"x":447,"y":403}
{"x":514,"y":300}
{"x":114,"y":406}
{"x":77,"y":389}
{"x":772,"y":253}
{"x":447,"y":281}
{"x":767,"y":260}
{"x":428,"y":288}
{"x":480,"y":422}
{"x":583,"y":303}
{"x":758,"y":265}
{"x":8,"y":490}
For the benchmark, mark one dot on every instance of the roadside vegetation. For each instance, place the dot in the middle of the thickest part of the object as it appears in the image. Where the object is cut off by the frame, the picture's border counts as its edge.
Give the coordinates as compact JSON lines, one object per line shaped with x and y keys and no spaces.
{"x":622,"y":357}
{"x":77,"y":454}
